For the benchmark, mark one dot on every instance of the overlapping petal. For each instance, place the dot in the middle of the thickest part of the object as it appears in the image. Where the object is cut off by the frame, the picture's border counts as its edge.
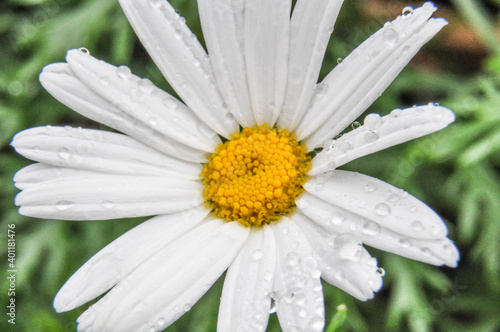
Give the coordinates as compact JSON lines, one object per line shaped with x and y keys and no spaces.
{"x":341,"y":258}
{"x":168,"y":284}
{"x":61,"y":82}
{"x":311,"y":26}
{"x":298,"y":294}
{"x":246,"y":296}
{"x":266,"y":35}
{"x":181,"y":59}
{"x":119,"y":258}
{"x":380,"y":215}
{"x":99,"y":151}
{"x":99,"y":196}
{"x":222,"y":23}
{"x":361,"y":77}
{"x":379,"y":133}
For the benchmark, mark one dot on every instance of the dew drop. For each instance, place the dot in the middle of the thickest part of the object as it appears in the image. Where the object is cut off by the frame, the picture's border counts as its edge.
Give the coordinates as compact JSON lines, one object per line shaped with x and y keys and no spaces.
{"x":355,"y":125}
{"x":160,"y":322}
{"x":178,"y":34}
{"x":349,"y":247}
{"x":373,"y":121}
{"x":393,"y":198}
{"x":104,"y":81}
{"x":64,"y":205}
{"x":337,"y":218}
{"x":382,"y":209}
{"x":417,"y":226}
{"x":407,"y":10}
{"x":381,"y":272}
{"x":292,"y":259}
{"x":448,"y":248}
{"x":339,"y":60}
{"x":426,"y":252}
{"x":390,"y":37}
{"x":370,"y":187}
{"x":170,"y":103}
{"x":153,"y":121}
{"x":371,"y":228}
{"x":146,"y":85}
{"x":257,"y":255}
{"x":370,"y":137}
{"x":320,"y":89}
{"x":196,"y":63}
{"x":83,"y":50}
{"x":108,"y":204}
{"x":36,"y":149}
{"x":64,"y":153}
{"x":156,"y":3}
{"x":395,"y":113}
{"x":187,"y":307}
{"x":404,"y":242}
{"x":438,"y":230}
{"x":413,"y":209}
{"x":123,"y":72}
{"x":316,"y":324}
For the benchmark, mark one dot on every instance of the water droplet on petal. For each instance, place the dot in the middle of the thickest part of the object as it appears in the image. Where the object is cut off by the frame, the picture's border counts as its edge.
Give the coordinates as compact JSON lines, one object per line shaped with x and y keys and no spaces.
{"x":370,"y":187}
{"x":196,"y":63}
{"x":63,"y":205}
{"x":370,"y":137}
{"x":257,"y":255}
{"x":339,"y":60}
{"x":170,"y":103}
{"x":160,"y":322}
{"x":123,"y":72}
{"x":36,"y":149}
{"x":316,"y":324}
{"x":404,"y":242}
{"x":178,"y":34}
{"x":417,"y":226}
{"x":64,"y":153}
{"x":393,"y":198}
{"x":187,"y":307}
{"x":426,"y":252}
{"x":413,"y":209}
{"x":349,"y":247}
{"x":84,"y":51}
{"x":337,"y":218}
{"x":390,"y":37}
{"x":381,"y":272}
{"x":156,"y":3}
{"x":104,"y":81}
{"x":108,"y":204}
{"x":373,"y":121}
{"x":292,"y":259}
{"x":371,"y":228}
{"x":355,"y":125}
{"x":407,"y":10}
{"x":382,"y":209}
{"x":146,"y":85}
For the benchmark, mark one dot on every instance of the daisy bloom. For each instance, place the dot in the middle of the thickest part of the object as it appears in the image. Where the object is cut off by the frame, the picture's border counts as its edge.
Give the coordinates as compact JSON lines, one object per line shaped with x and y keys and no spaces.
{"x":228,"y":173}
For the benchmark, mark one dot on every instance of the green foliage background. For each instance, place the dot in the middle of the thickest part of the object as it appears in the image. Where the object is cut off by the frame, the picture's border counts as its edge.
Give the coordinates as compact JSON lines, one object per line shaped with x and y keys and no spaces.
{"x":455,"y":171}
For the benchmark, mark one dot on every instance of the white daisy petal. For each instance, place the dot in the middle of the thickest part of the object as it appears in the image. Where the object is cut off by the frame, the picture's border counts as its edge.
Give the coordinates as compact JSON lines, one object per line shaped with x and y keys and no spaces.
{"x":360,"y":79}
{"x":119,"y":258}
{"x":382,"y":206}
{"x":246,"y":299}
{"x":99,"y":151}
{"x":298,"y":295}
{"x":61,"y":82}
{"x":342,"y":259}
{"x":222,"y":23}
{"x":337,"y":220}
{"x":167,"y":285}
{"x":311,"y":26}
{"x":266,"y":43}
{"x":380,"y":133}
{"x":143,"y":101}
{"x":181,"y":59}
{"x":105,"y":196}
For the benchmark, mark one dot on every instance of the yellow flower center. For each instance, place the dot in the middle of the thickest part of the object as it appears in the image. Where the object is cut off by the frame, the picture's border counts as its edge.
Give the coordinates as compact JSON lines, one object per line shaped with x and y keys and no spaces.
{"x":255,"y":177}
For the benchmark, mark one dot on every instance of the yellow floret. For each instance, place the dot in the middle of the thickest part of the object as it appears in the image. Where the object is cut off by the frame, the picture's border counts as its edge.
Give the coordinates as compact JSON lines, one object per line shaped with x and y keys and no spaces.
{"x":255,"y":177}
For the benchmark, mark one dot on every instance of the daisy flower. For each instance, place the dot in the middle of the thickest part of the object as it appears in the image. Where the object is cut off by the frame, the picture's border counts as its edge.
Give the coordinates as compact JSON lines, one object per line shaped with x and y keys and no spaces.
{"x":227,"y":174}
